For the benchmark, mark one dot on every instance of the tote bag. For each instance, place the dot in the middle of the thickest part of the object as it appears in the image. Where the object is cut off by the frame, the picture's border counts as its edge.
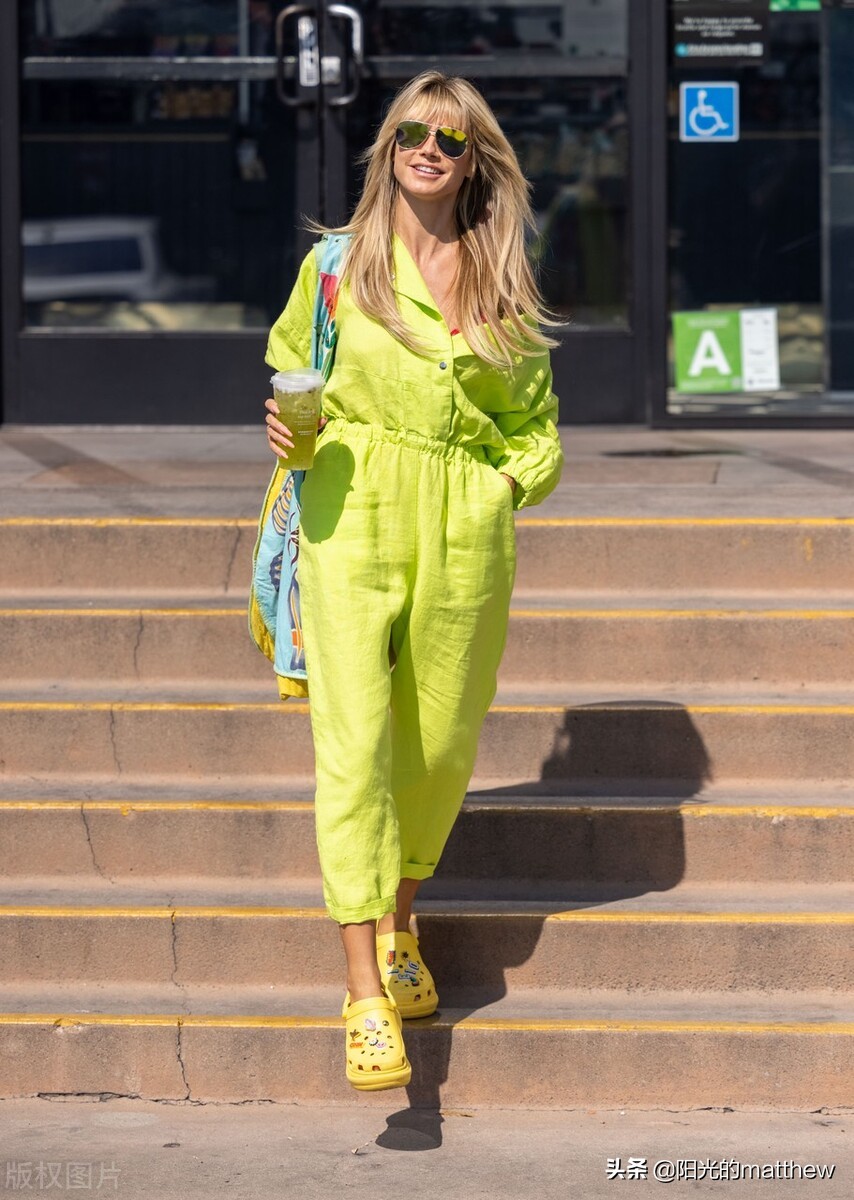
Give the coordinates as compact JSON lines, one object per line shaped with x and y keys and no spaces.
{"x":275,"y":624}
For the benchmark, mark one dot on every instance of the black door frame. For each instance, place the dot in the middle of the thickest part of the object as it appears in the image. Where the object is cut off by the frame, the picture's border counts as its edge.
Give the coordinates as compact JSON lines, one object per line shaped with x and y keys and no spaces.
{"x":599,"y":360}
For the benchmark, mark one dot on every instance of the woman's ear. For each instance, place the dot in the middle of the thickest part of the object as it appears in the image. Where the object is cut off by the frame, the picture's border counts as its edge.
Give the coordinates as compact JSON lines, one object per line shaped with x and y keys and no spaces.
{"x":472,"y":166}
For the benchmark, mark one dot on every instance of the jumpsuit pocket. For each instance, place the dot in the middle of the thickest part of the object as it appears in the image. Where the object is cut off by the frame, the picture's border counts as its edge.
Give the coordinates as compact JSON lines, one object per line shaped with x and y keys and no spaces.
{"x":502,"y":483}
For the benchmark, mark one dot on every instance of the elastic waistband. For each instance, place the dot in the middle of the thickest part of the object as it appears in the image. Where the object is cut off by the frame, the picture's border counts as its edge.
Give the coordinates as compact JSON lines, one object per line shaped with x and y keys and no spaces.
{"x":409,"y":439}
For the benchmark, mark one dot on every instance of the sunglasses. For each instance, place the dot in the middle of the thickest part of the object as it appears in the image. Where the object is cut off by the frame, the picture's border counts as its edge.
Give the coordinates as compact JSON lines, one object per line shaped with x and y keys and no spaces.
{"x":452,"y":142}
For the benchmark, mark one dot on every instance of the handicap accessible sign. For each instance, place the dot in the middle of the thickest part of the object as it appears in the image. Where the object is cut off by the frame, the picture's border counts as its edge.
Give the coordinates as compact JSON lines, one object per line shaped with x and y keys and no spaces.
{"x":735,"y":351}
{"x":708,"y":112}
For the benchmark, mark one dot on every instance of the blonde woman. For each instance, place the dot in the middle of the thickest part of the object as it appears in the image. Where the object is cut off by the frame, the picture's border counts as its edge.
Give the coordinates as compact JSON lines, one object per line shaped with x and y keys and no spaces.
{"x":439,"y":422}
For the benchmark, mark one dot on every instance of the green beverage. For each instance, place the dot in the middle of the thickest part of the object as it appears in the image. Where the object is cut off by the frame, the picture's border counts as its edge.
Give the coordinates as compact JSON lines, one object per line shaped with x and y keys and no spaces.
{"x":298,"y":394}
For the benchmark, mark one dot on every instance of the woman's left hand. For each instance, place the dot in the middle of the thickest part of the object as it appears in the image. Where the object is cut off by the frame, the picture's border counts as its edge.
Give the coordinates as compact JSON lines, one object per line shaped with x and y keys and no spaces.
{"x":511,"y":481}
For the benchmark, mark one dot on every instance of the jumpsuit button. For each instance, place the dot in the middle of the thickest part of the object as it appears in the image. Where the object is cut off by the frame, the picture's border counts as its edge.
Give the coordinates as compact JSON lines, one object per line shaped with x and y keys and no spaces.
{"x":442,"y":366}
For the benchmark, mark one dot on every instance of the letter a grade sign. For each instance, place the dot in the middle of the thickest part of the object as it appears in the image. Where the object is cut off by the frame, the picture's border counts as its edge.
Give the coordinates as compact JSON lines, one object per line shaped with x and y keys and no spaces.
{"x":733,"y":351}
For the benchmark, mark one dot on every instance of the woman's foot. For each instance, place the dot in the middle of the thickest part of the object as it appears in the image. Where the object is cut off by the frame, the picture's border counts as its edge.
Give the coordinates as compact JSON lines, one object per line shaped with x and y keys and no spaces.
{"x":376,"y":1056}
{"x":405,"y":974}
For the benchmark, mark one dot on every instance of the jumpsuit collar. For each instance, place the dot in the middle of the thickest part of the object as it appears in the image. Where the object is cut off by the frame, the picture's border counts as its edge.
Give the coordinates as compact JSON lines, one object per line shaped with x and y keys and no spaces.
{"x":408,"y":280}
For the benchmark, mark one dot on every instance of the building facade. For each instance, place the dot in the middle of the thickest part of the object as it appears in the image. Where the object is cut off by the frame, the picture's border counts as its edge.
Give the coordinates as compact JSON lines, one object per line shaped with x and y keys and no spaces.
{"x":691,"y":164}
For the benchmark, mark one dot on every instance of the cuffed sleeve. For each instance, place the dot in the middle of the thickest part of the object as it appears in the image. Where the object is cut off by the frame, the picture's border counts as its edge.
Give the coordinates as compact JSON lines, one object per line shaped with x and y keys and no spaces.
{"x":289,"y":343}
{"x":531,"y":450}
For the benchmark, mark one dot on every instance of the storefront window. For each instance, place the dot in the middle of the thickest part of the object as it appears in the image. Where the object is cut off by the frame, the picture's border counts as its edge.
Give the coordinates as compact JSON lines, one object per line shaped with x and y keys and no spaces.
{"x":170,"y":204}
{"x":759,"y":201}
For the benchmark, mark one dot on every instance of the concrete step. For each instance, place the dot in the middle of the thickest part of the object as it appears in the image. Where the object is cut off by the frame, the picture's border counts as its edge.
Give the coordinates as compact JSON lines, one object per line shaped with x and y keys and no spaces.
{"x":519,"y":845}
{"x":550,"y":639}
{"x":693,"y":939}
{"x":555,"y":1050}
{"x":601,"y":743}
{"x":203,"y":556}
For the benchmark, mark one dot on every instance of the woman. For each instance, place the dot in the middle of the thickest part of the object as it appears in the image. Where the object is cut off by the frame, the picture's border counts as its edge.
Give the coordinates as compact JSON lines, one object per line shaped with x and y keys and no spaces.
{"x":439,"y":422}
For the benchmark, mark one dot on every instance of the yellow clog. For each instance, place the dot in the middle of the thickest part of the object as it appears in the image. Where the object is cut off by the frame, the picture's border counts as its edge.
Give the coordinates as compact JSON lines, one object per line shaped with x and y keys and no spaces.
{"x":376,"y":1056}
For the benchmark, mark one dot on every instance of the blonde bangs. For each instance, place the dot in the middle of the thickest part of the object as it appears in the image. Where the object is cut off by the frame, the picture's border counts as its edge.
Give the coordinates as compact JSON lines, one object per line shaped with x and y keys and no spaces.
{"x":500,"y":306}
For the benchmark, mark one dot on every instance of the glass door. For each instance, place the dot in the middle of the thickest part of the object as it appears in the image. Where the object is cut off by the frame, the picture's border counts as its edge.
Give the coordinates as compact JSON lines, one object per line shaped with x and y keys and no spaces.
{"x":169,"y":152}
{"x":760,"y":169}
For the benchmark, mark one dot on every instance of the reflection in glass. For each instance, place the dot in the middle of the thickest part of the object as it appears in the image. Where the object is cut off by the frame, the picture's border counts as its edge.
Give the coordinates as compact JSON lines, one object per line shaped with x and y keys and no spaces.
{"x":130,"y":27}
{"x":173,"y":202}
{"x":571,"y":137}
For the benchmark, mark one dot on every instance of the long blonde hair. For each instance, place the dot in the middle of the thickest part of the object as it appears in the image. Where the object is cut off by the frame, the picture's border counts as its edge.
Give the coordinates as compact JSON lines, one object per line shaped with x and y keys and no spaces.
{"x":494,"y":279}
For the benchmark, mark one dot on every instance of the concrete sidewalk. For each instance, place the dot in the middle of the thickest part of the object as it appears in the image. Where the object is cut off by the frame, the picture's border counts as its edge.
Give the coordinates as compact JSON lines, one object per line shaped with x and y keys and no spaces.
{"x":609,"y":471}
{"x":255,"y":1151}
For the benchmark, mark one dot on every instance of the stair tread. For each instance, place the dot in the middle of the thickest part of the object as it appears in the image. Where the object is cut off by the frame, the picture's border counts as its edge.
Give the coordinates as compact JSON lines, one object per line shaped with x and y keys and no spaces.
{"x":781,"y":900}
{"x":532,"y":1005}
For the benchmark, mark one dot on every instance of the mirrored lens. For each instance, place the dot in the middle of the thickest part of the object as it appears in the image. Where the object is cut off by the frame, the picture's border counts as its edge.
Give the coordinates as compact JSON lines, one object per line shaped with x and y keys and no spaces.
{"x":451,"y":142}
{"x":411,"y":134}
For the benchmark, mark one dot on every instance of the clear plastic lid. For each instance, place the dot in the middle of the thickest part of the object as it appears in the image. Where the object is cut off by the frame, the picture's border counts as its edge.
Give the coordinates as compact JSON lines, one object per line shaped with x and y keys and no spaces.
{"x":300,"y":379}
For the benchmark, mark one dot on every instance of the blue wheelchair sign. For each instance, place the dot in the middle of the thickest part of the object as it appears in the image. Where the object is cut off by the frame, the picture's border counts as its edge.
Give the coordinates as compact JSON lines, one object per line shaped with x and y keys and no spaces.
{"x":708,"y":112}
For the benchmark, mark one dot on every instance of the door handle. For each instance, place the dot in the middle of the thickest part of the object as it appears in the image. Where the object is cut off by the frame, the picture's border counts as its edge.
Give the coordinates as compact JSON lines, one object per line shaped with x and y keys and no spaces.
{"x":357,"y":52}
{"x":308,"y":54}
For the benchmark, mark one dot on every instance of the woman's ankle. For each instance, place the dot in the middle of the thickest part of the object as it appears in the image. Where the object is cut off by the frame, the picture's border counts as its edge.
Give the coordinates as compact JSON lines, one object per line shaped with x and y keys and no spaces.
{"x":392,"y":923}
{"x":363,"y":984}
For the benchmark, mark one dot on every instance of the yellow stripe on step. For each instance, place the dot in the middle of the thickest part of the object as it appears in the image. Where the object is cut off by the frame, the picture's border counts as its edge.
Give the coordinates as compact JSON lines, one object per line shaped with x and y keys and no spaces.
{"x":627,"y":916}
{"x":474,"y":1024}
{"x":684,"y":810}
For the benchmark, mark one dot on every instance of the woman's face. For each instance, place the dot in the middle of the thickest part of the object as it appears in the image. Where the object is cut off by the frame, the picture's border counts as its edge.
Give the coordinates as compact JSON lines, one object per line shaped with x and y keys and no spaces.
{"x":425,"y":172}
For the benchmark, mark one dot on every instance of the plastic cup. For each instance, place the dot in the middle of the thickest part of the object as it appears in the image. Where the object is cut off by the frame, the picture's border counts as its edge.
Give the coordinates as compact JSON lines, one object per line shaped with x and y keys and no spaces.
{"x":298,"y":396}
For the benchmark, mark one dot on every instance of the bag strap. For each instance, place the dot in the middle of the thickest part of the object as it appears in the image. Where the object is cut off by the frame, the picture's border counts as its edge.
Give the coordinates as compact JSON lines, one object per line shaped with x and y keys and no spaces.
{"x":329,"y":252}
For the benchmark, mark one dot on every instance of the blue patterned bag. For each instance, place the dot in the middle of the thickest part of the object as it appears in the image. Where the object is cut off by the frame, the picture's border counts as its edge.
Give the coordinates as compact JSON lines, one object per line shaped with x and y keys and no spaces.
{"x":274,"y":603}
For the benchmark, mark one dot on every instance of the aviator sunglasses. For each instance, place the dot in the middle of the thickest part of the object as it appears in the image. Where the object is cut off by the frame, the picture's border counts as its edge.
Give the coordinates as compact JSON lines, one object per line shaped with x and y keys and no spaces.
{"x":452,"y":142}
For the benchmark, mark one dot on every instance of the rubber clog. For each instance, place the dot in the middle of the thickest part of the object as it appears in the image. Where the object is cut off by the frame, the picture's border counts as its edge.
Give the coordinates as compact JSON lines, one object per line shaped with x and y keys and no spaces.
{"x":405,"y":976}
{"x":376,"y":1055}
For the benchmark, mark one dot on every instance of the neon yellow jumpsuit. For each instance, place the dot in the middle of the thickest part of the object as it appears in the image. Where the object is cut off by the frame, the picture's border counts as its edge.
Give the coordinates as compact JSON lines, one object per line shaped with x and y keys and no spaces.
{"x":407,"y":544}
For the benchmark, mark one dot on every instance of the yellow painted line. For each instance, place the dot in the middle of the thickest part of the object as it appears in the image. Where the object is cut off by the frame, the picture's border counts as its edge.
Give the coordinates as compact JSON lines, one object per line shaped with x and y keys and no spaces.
{"x":581,"y":915}
{"x":475,"y":1024}
{"x":568,"y":522}
{"x":124,"y":807}
{"x":483,"y":1024}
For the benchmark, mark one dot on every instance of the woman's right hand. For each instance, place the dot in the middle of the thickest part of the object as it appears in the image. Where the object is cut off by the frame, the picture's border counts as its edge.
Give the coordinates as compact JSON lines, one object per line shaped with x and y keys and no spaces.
{"x":278,"y":435}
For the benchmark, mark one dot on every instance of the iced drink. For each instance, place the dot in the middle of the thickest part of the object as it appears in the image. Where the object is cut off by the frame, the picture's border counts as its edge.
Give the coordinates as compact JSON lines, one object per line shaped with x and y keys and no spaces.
{"x":297,"y":394}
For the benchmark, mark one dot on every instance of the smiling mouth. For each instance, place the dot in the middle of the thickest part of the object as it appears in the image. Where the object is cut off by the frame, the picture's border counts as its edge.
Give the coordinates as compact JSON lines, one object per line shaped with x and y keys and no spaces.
{"x":422,"y":170}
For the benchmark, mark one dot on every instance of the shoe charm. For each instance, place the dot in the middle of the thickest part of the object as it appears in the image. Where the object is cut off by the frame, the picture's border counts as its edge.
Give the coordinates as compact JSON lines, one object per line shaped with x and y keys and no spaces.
{"x":406,"y":972}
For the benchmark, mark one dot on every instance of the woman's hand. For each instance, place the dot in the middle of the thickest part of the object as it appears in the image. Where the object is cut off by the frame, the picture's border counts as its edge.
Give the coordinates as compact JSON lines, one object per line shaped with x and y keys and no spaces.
{"x":510,"y":480}
{"x":278,"y":435}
